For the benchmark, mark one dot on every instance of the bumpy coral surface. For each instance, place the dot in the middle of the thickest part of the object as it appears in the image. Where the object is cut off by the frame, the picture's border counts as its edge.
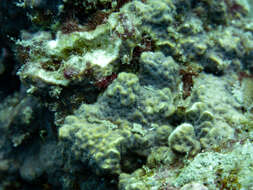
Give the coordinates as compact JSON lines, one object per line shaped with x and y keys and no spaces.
{"x":128,"y":95}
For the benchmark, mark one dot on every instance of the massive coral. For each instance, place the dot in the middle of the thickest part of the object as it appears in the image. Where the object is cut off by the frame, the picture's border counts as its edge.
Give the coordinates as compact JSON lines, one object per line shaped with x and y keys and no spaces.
{"x":138,"y":94}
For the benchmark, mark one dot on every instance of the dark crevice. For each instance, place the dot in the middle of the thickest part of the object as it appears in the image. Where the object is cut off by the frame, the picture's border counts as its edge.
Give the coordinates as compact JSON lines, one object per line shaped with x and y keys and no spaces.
{"x":9,"y":81}
{"x":132,"y":162}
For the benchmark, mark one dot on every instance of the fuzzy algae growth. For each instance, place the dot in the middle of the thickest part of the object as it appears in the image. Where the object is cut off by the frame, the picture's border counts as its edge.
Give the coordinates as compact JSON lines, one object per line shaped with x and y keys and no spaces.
{"x":76,"y":53}
{"x":150,"y":98}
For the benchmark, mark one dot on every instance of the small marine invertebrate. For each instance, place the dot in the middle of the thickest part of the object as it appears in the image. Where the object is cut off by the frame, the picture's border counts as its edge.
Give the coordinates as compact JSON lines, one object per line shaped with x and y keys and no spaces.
{"x":97,"y":18}
{"x":120,"y":3}
{"x":234,"y":7}
{"x":22,"y":53}
{"x":244,"y":75}
{"x":70,"y":73}
{"x":129,"y":30}
{"x":104,"y":82}
{"x":69,"y":26}
{"x":187,"y":79}
{"x":147,"y":44}
{"x":53,"y":65}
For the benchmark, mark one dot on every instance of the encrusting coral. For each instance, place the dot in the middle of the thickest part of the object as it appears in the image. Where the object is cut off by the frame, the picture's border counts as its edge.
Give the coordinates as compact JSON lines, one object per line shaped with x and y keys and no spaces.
{"x":130,"y":94}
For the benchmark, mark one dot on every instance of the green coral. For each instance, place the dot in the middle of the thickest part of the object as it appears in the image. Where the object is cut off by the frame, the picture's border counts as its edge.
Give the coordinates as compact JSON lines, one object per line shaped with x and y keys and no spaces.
{"x":125,"y":90}
{"x":95,"y":142}
{"x":158,"y":70}
{"x":127,"y":99}
{"x":183,"y":140}
{"x":217,"y":135}
{"x":160,"y":156}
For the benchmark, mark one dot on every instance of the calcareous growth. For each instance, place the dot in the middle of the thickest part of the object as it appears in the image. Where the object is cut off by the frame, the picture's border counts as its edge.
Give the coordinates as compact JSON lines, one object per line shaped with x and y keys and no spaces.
{"x":126,"y":95}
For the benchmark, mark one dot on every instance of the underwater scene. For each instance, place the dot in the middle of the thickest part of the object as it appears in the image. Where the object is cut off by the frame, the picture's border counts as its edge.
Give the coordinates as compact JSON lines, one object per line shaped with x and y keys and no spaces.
{"x":126,"y":94}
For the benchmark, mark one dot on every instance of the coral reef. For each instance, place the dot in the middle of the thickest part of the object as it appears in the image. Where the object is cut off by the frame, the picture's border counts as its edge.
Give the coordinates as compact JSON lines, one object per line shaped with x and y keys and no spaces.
{"x":126,"y":94}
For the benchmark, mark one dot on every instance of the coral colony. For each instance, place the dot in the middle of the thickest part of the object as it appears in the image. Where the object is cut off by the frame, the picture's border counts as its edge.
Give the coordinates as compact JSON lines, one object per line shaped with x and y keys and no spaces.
{"x":126,"y":95}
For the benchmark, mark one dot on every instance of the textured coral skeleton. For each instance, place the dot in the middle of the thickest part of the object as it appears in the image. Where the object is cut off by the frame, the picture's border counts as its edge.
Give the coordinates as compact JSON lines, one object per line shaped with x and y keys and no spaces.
{"x":127,"y":95}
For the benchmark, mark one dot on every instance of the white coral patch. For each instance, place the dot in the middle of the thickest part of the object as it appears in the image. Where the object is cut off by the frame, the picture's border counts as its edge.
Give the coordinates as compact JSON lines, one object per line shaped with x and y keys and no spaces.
{"x":100,"y":57}
{"x":52,"y":44}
